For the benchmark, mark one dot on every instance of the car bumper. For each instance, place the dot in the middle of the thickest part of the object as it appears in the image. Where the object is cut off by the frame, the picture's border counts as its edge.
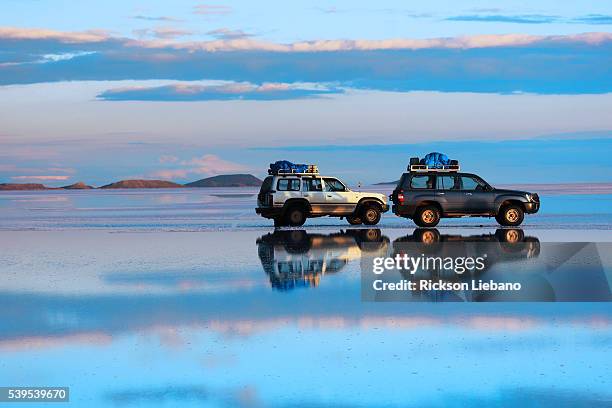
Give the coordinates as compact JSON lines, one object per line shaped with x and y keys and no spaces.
{"x":403,"y":210}
{"x":532,"y":207}
{"x":269,"y":212}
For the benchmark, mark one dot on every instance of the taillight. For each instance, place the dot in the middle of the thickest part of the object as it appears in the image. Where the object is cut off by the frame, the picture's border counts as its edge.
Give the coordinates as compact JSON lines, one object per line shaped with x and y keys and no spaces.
{"x":400,"y":196}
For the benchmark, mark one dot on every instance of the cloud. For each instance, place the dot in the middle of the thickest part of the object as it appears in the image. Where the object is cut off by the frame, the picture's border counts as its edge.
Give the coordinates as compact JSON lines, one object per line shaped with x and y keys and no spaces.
{"x":461,"y":42}
{"x":518,"y":19}
{"x":15,"y":33}
{"x":42,"y":178}
{"x":166,"y":33}
{"x":594,"y":19}
{"x":224,"y":92}
{"x":565,"y":64}
{"x":206,"y":165}
{"x":228,"y":34}
{"x":153,"y":18}
{"x":168,"y":159}
{"x":211,"y":10}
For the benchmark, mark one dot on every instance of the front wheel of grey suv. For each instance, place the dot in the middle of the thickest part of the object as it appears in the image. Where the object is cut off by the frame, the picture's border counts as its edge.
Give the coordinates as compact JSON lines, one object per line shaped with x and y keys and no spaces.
{"x":370,"y":215}
{"x":427,"y":216}
{"x":510,"y":215}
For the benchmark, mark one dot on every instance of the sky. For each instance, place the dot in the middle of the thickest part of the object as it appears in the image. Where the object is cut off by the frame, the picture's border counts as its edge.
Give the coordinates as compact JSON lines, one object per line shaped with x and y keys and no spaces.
{"x":184,"y":90}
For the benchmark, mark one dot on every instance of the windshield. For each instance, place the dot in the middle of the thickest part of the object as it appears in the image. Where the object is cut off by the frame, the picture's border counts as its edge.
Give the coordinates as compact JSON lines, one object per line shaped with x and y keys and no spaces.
{"x":332,"y":184}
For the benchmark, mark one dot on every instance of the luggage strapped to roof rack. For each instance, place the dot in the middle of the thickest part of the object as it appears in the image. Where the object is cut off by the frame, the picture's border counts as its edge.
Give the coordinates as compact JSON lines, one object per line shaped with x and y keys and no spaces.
{"x":311,"y":170}
{"x":442,"y":168}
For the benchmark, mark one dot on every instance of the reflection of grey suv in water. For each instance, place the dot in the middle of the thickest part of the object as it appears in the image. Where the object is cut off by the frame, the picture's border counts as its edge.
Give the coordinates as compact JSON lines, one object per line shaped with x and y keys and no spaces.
{"x":501,"y":247}
{"x":426,"y":196}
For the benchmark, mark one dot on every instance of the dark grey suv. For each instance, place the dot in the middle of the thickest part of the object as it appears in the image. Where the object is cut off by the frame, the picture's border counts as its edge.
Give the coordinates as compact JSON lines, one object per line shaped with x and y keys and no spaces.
{"x":427,"y":196}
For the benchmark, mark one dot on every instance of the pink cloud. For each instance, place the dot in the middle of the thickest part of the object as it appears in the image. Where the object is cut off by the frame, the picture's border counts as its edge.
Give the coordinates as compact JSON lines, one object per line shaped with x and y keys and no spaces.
{"x":165,"y":33}
{"x":211,"y":9}
{"x":207,"y":165}
{"x":168,"y":159}
{"x":40,"y":178}
{"x":235,"y":42}
{"x":16,"y":33}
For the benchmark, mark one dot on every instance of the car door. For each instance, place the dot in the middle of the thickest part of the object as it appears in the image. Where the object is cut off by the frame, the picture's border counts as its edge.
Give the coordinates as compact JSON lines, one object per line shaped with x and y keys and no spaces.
{"x":338,"y":198}
{"x":286,"y":188}
{"x":312,"y":190}
{"x":477,"y":199}
{"x":449,"y":194}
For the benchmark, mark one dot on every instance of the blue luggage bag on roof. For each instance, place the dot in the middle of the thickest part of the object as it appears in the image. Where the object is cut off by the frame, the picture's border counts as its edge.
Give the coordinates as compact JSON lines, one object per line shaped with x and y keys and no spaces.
{"x":287,"y":166}
{"x":435,"y":160}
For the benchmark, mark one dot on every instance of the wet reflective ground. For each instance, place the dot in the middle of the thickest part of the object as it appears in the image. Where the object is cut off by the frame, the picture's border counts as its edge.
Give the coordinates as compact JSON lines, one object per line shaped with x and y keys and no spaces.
{"x":133,"y":316}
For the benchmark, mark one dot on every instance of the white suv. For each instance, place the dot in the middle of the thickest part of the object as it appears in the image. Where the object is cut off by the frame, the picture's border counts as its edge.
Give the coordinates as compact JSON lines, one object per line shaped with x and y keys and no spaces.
{"x":290,"y":198}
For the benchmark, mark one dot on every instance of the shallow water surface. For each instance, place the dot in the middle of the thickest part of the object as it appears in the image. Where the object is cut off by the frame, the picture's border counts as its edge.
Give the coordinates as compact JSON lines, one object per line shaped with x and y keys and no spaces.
{"x":155,"y":299}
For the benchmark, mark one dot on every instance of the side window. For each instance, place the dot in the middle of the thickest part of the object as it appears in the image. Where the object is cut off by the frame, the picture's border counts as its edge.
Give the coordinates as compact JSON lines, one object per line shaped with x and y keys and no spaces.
{"x":312,"y":184}
{"x":422,"y":182}
{"x":448,"y":183}
{"x":333,"y":185}
{"x":288,"y":185}
{"x":469,"y":183}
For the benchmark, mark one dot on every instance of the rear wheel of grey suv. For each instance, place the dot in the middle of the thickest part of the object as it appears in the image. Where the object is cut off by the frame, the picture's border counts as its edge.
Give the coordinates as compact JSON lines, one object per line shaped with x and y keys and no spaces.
{"x":354,"y":220}
{"x":295,"y":216}
{"x":510,"y":215}
{"x":427,"y":216}
{"x":370,"y":215}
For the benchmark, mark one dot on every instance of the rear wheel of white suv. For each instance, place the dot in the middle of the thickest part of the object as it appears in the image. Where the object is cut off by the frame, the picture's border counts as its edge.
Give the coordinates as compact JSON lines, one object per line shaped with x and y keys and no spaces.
{"x":295,"y":216}
{"x":370,"y":215}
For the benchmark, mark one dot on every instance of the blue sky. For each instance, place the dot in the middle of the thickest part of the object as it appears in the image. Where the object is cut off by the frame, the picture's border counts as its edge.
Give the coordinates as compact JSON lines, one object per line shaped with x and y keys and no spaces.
{"x":183,"y":90}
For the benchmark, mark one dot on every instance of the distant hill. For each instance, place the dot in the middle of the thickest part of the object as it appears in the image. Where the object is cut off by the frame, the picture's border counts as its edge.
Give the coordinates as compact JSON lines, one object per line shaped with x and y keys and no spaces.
{"x":24,"y":186}
{"x":386,"y":183}
{"x":227,"y":180}
{"x":143,"y":184}
{"x":78,"y":186}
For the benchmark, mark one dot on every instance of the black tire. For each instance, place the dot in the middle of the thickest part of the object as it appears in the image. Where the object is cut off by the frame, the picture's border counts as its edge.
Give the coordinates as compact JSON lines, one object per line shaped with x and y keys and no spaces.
{"x":427,"y":216}
{"x":426,"y":236}
{"x":510,"y":235}
{"x":279,"y":222}
{"x":370,"y":215}
{"x":295,"y":216}
{"x":511,"y":215}
{"x":370,"y":235}
{"x":414,"y":160}
{"x":354,"y":220}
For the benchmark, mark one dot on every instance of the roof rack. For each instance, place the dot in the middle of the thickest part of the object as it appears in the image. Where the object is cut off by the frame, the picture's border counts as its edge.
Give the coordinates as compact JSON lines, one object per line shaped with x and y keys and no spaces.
{"x":443,"y":168}
{"x":312,"y":170}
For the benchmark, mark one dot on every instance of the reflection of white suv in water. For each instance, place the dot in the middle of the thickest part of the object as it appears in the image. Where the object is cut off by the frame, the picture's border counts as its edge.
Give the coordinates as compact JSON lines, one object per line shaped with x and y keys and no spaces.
{"x":289,"y":198}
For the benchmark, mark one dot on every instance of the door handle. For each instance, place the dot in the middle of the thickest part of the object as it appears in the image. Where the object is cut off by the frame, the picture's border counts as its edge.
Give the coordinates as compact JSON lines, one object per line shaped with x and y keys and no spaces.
{"x":468,"y":193}
{"x":329,"y":196}
{"x":306,"y":195}
{"x":439,"y":193}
